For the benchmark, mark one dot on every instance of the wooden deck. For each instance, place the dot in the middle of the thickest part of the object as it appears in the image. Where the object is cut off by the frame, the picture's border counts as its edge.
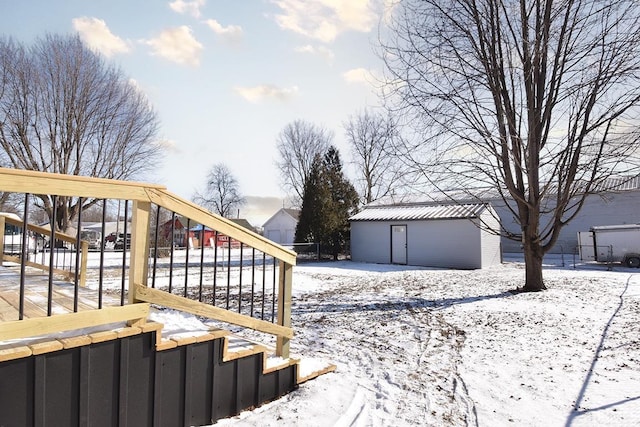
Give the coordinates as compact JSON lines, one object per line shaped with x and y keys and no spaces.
{"x":36,"y":295}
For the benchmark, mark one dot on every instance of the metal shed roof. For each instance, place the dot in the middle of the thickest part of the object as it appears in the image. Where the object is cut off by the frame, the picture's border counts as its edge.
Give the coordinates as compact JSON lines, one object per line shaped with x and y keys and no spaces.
{"x":419,"y":212}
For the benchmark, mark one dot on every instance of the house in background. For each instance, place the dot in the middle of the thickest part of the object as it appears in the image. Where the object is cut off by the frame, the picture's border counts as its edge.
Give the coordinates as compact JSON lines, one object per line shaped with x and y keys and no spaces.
{"x":198,"y":235}
{"x":223,"y":241}
{"x":178,"y":225}
{"x":614,"y":202}
{"x":281,"y":227}
{"x":449,"y":236}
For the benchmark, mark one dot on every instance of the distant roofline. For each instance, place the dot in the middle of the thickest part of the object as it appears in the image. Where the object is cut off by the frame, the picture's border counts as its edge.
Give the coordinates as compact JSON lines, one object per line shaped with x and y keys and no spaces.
{"x":293,"y":213}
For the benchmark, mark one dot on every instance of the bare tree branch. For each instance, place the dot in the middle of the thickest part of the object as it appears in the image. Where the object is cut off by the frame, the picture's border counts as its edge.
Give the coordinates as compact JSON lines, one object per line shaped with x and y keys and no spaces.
{"x":537,"y":100}
{"x":64,"y":110}
{"x":372,"y":137}
{"x":298,"y":143}
{"x":222,"y":192}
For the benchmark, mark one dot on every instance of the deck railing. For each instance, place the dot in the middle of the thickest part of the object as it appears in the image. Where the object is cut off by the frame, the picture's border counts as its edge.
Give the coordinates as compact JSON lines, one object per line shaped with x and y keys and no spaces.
{"x":34,"y":254}
{"x":178,"y":256}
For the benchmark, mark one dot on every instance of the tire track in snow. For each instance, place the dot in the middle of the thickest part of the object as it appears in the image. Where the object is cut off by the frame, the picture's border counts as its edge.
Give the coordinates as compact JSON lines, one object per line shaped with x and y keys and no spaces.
{"x":402,"y":356}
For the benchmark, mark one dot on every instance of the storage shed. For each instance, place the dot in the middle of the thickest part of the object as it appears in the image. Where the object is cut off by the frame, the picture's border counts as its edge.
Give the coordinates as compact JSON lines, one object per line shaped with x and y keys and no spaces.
{"x":449,"y":236}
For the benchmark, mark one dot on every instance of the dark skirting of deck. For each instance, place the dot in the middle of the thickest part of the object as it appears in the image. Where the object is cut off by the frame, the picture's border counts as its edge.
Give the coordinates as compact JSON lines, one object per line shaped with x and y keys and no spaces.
{"x":127,"y":382}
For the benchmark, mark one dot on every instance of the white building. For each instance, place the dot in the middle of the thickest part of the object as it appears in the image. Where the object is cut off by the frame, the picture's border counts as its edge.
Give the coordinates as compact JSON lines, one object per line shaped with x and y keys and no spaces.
{"x":617,"y":202}
{"x":450,"y":236}
{"x":281,"y":227}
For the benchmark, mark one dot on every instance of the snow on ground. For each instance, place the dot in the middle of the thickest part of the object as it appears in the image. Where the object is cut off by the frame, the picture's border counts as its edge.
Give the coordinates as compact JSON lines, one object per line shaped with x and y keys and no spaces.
{"x":436,"y":347}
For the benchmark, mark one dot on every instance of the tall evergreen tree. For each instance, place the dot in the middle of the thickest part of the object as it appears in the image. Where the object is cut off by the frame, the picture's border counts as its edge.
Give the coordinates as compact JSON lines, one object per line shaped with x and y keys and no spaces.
{"x":309,"y":228}
{"x":328,"y":200}
{"x":342,"y":202}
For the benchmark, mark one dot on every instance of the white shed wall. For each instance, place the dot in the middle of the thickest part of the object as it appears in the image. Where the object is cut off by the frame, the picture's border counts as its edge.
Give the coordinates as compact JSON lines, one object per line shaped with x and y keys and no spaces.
{"x":444,"y":243}
{"x":371,"y":242}
{"x":434,"y":243}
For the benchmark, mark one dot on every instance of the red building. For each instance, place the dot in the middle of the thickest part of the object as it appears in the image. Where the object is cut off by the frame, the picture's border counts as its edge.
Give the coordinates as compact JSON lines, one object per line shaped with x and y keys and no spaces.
{"x":198,"y":233}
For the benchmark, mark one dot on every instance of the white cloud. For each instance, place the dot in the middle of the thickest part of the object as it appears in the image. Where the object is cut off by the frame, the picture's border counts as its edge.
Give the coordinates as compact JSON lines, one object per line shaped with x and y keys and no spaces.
{"x":305,"y":49}
{"x":256,"y":94}
{"x":358,"y":75}
{"x":189,"y":7}
{"x":168,"y":145}
{"x":323,"y":51}
{"x":325,"y":19}
{"x":97,"y":35}
{"x":177,"y":45}
{"x":230,"y":33}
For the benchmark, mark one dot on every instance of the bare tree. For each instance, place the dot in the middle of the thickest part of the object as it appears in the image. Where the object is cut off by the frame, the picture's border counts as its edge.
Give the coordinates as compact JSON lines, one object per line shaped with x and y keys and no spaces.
{"x":298,"y":143}
{"x":64,"y":110}
{"x":535,"y":99}
{"x":372,"y":137}
{"x":222,"y":192}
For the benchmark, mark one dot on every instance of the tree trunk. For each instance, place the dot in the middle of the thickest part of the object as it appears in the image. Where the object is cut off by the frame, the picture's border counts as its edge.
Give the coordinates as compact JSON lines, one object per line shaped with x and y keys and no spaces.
{"x":533,"y":267}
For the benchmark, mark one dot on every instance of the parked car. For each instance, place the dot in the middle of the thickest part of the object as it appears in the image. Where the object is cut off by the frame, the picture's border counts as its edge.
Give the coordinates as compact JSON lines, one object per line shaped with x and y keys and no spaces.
{"x":110,"y":238}
{"x":58,"y":244}
{"x":122,"y":243}
{"x":92,"y":237}
{"x":119,"y":241}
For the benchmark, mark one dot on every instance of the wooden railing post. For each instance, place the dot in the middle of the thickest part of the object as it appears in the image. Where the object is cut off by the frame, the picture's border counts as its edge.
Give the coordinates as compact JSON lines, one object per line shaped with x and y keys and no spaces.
{"x":1,"y":239}
{"x":84,"y":250}
{"x":138,"y":261}
{"x":284,"y":306}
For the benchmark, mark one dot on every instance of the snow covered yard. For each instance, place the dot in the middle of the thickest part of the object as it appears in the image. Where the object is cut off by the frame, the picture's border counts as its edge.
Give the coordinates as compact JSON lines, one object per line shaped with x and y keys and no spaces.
{"x":435,"y":347}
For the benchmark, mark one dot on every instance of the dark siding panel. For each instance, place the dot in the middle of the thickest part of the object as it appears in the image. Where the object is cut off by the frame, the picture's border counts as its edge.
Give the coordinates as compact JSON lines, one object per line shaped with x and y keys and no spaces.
{"x":16,"y":392}
{"x":170,"y":387}
{"x":99,"y":391}
{"x":57,"y":376}
{"x":249,"y":368}
{"x":199,"y":386}
{"x":287,"y":379}
{"x":136,"y":385}
{"x":277,"y":383}
{"x":224,"y":386}
{"x":269,"y":387}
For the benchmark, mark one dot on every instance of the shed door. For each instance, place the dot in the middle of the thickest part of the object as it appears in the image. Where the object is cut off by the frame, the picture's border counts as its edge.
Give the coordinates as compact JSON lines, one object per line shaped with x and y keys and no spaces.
{"x":398,"y":244}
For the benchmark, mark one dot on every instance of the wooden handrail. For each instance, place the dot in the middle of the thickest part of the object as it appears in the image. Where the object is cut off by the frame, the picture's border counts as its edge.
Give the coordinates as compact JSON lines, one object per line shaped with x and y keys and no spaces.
{"x":165,"y":299}
{"x":21,"y":181}
{"x":221,"y":224}
{"x":33,"y":182}
{"x":41,"y":230}
{"x":62,"y":322}
{"x":143,"y":194}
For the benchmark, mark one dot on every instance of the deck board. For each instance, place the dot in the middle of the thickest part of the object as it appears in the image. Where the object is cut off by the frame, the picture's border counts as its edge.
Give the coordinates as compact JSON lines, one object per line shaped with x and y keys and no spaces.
{"x":36,"y":296}
{"x":30,"y":309}
{"x":7,"y":311}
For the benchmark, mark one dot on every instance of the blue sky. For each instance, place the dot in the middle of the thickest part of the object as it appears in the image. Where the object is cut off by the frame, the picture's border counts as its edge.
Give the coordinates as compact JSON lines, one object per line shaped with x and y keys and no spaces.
{"x":226,"y":76}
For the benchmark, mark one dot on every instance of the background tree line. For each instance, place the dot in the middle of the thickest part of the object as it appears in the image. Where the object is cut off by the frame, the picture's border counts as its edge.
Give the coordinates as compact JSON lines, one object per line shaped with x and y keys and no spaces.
{"x":312,"y":174}
{"x":311,"y":170}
